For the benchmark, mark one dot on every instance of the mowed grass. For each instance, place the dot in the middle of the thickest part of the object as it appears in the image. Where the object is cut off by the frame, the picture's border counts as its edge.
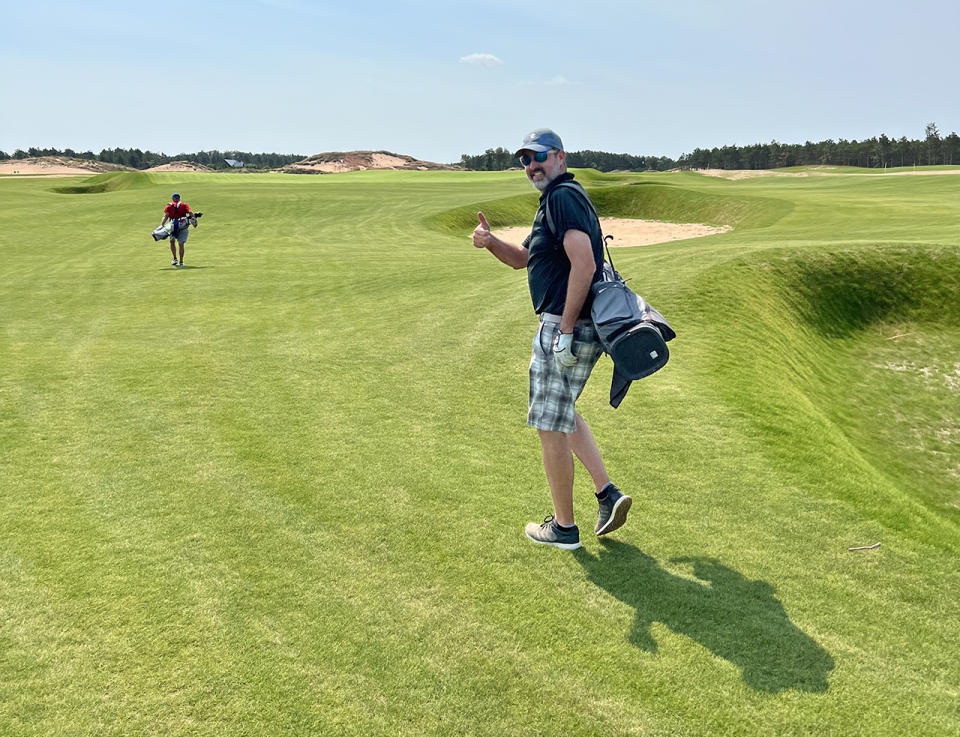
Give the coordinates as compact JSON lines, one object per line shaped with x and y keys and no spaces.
{"x":282,"y":491}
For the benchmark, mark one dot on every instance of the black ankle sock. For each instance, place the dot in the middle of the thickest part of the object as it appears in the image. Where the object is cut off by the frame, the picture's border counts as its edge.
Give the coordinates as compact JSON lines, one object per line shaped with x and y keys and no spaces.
{"x":602,"y":494}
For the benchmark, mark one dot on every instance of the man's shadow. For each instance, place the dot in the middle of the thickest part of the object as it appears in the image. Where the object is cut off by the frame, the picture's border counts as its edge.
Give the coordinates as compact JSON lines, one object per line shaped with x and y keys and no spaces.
{"x":733,"y":617}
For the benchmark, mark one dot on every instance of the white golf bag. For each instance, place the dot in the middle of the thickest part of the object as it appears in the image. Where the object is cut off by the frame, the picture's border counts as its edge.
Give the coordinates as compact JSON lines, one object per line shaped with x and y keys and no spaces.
{"x":168,"y":229}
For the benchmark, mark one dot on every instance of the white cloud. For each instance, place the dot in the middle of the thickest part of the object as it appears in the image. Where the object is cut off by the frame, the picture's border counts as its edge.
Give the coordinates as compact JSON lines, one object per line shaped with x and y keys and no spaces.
{"x":483,"y":60}
{"x":558,"y":81}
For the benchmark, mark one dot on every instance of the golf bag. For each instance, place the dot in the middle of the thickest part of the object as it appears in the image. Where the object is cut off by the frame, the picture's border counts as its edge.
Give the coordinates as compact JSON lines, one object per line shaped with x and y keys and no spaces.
{"x":630,"y":330}
{"x":172,"y":227}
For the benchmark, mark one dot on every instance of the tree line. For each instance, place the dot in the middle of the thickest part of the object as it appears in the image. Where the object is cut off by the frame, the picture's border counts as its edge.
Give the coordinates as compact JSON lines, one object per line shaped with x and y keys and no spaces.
{"x":877,"y":152}
{"x":137,"y":159}
{"x":499,"y":159}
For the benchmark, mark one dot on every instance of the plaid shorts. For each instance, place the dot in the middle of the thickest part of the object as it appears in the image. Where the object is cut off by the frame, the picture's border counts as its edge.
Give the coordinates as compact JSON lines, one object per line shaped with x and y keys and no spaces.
{"x":554,"y":389}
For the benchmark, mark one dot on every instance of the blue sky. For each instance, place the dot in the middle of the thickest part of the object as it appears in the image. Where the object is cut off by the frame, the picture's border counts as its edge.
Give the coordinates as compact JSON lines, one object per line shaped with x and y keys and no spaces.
{"x":438,"y":79}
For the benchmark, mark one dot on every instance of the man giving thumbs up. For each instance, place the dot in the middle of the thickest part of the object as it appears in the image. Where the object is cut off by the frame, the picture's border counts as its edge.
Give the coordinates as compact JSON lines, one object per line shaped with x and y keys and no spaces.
{"x":560,"y":266}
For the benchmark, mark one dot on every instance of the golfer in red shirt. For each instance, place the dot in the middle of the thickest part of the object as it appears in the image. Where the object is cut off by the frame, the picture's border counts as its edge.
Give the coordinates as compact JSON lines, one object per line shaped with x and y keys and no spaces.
{"x":175,"y":210}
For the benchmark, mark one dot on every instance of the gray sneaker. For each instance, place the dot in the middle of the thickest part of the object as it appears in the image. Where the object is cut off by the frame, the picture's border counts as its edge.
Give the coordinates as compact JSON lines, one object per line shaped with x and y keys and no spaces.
{"x":550,"y":533}
{"x":613,"y":510}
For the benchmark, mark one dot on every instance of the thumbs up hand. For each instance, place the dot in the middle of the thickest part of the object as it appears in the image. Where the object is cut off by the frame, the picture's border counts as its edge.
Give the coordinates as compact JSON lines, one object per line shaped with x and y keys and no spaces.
{"x":482,"y":238}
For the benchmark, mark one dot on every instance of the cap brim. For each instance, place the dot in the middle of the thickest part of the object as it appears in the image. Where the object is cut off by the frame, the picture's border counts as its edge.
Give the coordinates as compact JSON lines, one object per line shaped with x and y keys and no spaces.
{"x":535,"y":147}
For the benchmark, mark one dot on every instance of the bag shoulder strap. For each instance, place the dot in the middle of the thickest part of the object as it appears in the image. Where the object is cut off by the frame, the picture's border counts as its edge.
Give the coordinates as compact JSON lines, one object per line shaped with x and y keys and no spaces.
{"x":576,"y":187}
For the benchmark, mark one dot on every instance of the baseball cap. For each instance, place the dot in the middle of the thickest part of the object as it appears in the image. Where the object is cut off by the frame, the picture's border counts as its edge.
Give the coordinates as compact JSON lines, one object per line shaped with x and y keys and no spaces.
{"x":174,"y":196}
{"x":542,"y":139}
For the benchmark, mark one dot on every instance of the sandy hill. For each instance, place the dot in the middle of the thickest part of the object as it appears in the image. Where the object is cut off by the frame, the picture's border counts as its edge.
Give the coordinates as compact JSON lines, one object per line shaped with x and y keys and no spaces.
{"x":57,"y":166}
{"x":180,"y":166}
{"x":339,"y":161}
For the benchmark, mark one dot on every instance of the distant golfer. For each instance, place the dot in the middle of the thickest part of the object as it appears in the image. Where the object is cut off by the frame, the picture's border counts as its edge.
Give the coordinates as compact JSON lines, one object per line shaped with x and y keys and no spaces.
{"x":560,"y":269}
{"x":175,"y":210}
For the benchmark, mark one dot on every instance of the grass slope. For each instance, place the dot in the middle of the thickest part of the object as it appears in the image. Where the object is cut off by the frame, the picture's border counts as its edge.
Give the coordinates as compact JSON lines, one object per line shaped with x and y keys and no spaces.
{"x":281,"y":491}
{"x":107,"y":182}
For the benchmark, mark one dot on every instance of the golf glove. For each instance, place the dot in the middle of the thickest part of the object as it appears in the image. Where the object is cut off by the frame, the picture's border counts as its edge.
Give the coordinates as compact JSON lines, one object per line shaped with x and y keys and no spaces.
{"x":563,"y":349}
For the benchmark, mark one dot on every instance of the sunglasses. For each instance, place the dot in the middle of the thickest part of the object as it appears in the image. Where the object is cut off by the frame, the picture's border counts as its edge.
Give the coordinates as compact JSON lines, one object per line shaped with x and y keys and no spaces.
{"x":539,"y":157}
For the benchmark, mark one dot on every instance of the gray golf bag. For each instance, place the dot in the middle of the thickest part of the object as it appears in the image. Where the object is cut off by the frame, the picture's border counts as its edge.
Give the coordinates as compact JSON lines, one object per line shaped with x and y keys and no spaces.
{"x":631,"y":331}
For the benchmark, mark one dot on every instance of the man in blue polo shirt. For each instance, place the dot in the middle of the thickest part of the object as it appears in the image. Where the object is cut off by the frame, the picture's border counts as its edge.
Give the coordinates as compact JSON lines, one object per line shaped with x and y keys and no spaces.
{"x":560,"y":266}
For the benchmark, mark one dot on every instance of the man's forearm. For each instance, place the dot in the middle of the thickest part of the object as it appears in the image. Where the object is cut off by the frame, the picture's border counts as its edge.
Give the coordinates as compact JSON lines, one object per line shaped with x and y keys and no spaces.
{"x":509,"y":253}
{"x":578,"y":288}
{"x":576,"y":244}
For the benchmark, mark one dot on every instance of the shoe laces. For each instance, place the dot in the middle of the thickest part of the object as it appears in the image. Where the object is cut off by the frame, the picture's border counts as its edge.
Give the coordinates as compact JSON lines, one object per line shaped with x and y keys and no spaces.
{"x":547,"y":521}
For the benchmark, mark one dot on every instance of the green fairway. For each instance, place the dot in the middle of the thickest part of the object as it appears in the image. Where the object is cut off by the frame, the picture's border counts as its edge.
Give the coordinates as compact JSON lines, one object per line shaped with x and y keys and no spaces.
{"x":282,"y":491}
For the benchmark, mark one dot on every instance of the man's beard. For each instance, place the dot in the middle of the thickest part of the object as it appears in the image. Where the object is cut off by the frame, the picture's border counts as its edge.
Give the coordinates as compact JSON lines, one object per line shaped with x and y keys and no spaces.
{"x":541,"y":183}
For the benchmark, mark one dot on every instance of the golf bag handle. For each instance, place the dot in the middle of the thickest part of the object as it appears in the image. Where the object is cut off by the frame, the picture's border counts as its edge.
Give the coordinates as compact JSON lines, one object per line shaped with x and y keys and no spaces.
{"x":606,"y":245}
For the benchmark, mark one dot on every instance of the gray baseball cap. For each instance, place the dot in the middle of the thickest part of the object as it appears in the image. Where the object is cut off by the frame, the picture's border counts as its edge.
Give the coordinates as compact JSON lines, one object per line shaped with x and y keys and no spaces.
{"x":542,"y":139}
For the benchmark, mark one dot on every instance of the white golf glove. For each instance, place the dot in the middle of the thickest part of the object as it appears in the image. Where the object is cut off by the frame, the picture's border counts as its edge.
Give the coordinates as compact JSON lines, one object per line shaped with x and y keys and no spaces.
{"x":563,"y":349}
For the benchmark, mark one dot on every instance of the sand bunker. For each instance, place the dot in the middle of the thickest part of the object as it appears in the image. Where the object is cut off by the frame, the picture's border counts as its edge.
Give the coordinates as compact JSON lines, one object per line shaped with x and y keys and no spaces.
{"x":631,"y":232}
{"x":749,"y":173}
